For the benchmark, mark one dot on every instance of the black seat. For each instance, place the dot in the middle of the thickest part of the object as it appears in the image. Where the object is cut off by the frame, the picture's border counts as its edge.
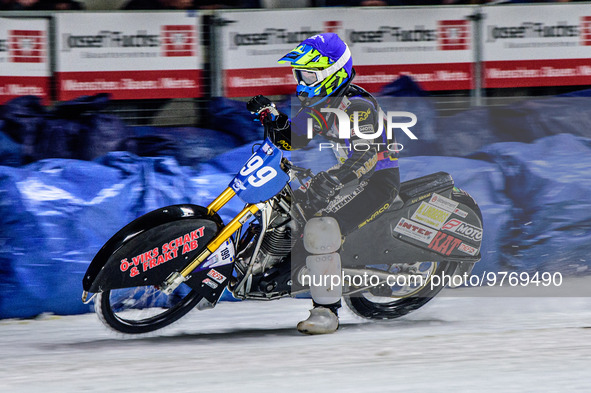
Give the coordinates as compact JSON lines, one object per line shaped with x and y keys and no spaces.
{"x":435,"y":182}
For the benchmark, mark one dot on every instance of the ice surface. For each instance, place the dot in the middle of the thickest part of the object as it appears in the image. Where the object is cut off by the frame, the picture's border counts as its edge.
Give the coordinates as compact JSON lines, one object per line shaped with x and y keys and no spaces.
{"x":453,"y":344}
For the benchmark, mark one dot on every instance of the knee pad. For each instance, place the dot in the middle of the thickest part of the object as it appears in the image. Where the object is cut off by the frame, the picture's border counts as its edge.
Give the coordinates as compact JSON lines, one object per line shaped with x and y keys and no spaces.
{"x":325,"y":278}
{"x":322,"y":235}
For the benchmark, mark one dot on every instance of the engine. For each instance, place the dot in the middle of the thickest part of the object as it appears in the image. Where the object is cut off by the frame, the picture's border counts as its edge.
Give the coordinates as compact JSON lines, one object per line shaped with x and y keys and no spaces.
{"x":276,"y":245}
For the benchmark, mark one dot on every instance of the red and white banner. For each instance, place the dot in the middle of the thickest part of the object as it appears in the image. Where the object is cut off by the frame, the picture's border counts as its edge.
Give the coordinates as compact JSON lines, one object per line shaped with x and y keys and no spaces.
{"x":433,"y":45}
{"x":24,"y":68}
{"x":541,"y":45}
{"x":129,"y":55}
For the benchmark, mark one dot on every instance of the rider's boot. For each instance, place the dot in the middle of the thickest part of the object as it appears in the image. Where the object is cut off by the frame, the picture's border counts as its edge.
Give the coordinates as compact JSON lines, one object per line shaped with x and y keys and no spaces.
{"x":322,"y":320}
{"x":322,"y":239}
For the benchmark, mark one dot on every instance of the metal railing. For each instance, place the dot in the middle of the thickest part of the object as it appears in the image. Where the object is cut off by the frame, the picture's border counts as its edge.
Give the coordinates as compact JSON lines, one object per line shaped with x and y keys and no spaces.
{"x":194,"y":111}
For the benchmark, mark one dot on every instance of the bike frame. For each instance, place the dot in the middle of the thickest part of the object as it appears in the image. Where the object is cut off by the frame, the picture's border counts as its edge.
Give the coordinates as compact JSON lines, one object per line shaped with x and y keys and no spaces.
{"x":260,"y":179}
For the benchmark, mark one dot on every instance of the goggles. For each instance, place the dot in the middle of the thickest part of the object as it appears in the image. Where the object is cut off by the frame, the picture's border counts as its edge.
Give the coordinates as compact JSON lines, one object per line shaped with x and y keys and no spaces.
{"x":311,"y":78}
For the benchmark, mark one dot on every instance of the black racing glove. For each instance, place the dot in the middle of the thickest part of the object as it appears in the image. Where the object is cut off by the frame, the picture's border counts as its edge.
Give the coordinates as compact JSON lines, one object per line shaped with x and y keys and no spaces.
{"x":264,"y":110}
{"x":323,"y":187}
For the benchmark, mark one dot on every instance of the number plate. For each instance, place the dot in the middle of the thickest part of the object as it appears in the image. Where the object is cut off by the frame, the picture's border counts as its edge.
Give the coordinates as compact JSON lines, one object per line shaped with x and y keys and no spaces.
{"x":261,"y":177}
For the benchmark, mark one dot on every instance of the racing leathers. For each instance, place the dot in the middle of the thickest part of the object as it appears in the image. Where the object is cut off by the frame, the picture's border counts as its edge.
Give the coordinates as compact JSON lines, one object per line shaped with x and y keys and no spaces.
{"x":342,"y":198}
{"x":365,"y":179}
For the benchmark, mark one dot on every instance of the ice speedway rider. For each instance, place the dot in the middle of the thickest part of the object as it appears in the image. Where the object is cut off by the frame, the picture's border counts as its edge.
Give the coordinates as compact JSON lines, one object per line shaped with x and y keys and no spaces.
{"x":368,"y":177}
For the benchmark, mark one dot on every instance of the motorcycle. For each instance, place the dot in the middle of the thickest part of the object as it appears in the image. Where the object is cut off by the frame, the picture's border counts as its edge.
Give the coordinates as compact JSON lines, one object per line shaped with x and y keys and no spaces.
{"x":167,"y":262}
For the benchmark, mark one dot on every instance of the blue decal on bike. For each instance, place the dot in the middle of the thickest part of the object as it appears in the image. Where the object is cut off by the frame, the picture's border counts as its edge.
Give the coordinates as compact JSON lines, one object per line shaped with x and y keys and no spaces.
{"x":261,"y":177}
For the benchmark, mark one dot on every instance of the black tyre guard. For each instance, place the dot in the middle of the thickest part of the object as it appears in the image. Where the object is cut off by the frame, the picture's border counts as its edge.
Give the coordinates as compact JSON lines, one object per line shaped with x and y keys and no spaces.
{"x":394,"y":235}
{"x":147,"y":250}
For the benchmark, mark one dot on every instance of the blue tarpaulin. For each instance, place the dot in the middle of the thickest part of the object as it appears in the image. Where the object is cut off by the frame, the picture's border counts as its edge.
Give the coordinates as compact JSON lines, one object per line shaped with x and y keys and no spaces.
{"x":530,"y":178}
{"x":549,"y":185}
{"x":57,"y":213}
{"x":73,"y":129}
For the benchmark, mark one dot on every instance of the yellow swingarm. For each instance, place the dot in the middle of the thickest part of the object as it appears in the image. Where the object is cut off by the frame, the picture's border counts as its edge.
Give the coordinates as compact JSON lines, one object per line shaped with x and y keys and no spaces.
{"x":176,"y":278}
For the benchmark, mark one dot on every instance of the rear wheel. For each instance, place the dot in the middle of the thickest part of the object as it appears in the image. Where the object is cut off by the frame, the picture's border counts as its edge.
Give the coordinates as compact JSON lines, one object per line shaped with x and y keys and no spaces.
{"x":389,"y":302}
{"x":143,"y":309}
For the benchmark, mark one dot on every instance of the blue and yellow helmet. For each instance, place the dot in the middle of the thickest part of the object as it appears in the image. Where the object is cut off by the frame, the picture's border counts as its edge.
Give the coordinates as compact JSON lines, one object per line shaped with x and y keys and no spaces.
{"x":321,"y":65}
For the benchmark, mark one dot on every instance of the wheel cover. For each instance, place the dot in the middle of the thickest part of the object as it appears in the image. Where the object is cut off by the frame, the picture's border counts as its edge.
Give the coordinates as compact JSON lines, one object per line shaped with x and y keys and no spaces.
{"x":143,"y":309}
{"x":422,"y":271}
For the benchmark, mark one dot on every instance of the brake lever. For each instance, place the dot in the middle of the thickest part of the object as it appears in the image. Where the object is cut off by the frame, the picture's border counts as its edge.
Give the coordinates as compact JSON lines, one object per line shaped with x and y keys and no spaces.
{"x":306,"y":172}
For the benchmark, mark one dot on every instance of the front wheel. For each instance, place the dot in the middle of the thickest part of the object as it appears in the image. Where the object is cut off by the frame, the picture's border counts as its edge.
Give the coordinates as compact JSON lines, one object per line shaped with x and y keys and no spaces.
{"x":140,"y":310}
{"x":389,"y":302}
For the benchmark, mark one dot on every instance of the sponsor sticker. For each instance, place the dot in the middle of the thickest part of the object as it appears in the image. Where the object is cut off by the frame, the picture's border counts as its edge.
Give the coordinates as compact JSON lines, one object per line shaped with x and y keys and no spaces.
{"x":217,"y":276}
{"x":361,"y":116}
{"x":415,"y":230}
{"x":375,"y":214}
{"x":467,"y":249}
{"x":366,"y":129}
{"x":463,"y":229}
{"x":210,"y":283}
{"x":344,"y":103}
{"x":460,"y":213}
{"x":443,"y":202}
{"x":420,"y":198}
{"x":168,"y":251}
{"x":247,"y":216}
{"x":222,"y":256}
{"x":444,"y":243}
{"x":430,"y":215}
{"x":267,"y":149}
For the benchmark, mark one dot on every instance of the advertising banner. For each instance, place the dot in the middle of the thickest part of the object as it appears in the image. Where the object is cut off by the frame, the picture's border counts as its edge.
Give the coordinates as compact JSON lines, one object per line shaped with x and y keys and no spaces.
{"x":129,"y":55}
{"x":24,"y":64}
{"x":541,"y":45}
{"x":433,"y":45}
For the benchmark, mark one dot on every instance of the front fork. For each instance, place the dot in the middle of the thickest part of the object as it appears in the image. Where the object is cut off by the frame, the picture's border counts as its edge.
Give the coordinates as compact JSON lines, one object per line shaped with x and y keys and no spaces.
{"x":177,"y":278}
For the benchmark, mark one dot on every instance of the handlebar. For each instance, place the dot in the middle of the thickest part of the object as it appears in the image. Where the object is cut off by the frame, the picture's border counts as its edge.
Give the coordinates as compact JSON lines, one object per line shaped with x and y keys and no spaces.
{"x":300,"y":172}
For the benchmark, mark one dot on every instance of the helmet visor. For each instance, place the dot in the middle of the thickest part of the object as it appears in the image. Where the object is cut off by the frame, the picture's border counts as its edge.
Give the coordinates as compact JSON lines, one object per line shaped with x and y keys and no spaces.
{"x":307,"y":77}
